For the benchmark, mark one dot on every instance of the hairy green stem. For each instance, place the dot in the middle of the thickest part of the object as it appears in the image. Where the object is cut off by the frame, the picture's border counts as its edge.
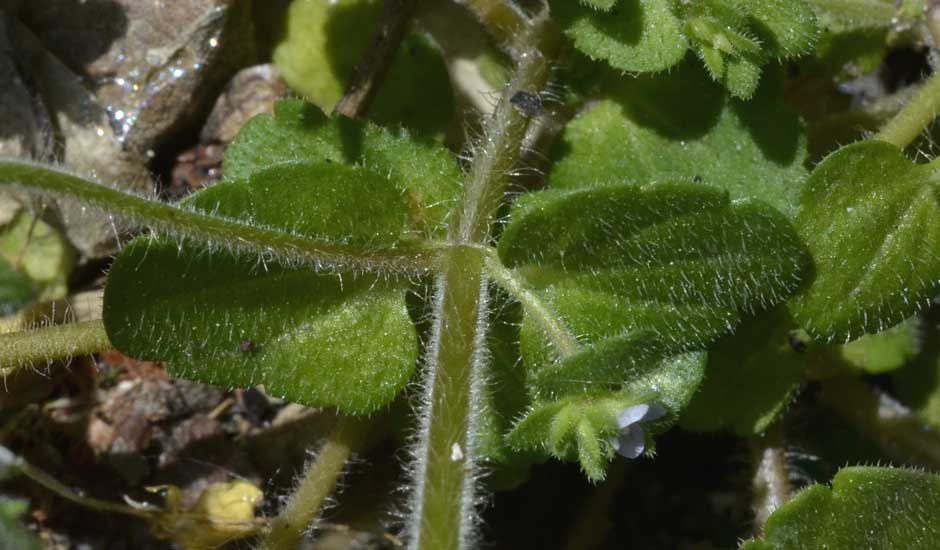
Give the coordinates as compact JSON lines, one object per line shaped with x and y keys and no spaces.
{"x":503,"y":134}
{"x":890,"y":424}
{"x":770,"y":482}
{"x":445,"y":492}
{"x":911,"y":121}
{"x":565,"y":343}
{"x":443,"y":507}
{"x":409,"y":257}
{"x":318,"y":483}
{"x":18,"y":349}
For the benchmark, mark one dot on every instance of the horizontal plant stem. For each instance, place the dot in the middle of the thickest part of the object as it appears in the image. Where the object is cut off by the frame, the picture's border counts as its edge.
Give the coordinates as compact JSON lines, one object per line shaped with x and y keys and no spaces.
{"x":895,"y":428}
{"x":408,"y":257}
{"x":18,"y":349}
{"x":565,"y":343}
{"x":911,"y":121}
{"x":318,"y":483}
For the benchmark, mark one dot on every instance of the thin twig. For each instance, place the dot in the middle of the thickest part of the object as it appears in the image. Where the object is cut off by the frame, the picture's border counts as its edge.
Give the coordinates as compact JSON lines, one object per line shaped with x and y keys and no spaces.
{"x":318,"y":482}
{"x":372,"y":68}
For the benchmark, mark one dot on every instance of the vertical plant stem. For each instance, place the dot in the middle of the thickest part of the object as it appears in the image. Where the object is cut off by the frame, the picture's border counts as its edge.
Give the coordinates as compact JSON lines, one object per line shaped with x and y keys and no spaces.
{"x":908,"y":124}
{"x":372,"y":68}
{"x":46,"y":344}
{"x":502,"y":138}
{"x":504,"y":20}
{"x":445,"y":494}
{"x":771,"y":483}
{"x":318,"y":483}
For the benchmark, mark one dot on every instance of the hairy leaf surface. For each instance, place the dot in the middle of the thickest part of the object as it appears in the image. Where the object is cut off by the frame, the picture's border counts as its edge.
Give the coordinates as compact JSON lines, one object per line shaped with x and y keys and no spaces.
{"x":634,"y":36}
{"x":425,"y":173}
{"x":637,"y":274}
{"x":733,"y":38}
{"x":653,"y":130}
{"x":868,"y":215}
{"x":877,"y":508}
{"x":323,"y":340}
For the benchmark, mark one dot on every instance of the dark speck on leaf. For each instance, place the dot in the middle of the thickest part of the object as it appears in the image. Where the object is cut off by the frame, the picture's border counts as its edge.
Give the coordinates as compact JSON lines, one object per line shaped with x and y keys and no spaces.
{"x":527,"y":103}
{"x":247,"y":346}
{"x":697,"y":179}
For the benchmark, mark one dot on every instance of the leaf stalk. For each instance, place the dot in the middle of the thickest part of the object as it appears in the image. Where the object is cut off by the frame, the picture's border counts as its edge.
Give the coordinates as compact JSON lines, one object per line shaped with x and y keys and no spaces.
{"x":910,"y":122}
{"x":29,"y":347}
{"x":409,"y":257}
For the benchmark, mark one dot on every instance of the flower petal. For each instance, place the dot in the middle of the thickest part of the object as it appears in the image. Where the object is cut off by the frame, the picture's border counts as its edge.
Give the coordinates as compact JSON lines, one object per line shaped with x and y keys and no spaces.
{"x":632,"y":442}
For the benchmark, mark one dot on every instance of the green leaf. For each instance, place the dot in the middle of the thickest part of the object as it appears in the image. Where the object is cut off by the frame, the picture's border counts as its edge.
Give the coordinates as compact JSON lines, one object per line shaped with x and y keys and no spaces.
{"x":750,"y":377}
{"x":12,"y":533}
{"x":868,"y":217}
{"x":322,"y":200}
{"x":16,"y":290}
{"x":786,"y":28}
{"x":43,"y":254}
{"x":638,"y":274}
{"x":734,"y":38}
{"x":233,"y":320}
{"x":683,"y":127}
{"x":876,"y":508}
{"x":323,"y":42}
{"x":740,"y":75}
{"x":426,"y":174}
{"x":885,"y":351}
{"x":580,"y":427}
{"x":636,"y":36}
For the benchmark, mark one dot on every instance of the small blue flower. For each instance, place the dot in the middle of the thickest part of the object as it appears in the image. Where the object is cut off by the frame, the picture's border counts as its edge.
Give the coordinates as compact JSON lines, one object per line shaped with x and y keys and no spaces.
{"x":632,"y":440}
